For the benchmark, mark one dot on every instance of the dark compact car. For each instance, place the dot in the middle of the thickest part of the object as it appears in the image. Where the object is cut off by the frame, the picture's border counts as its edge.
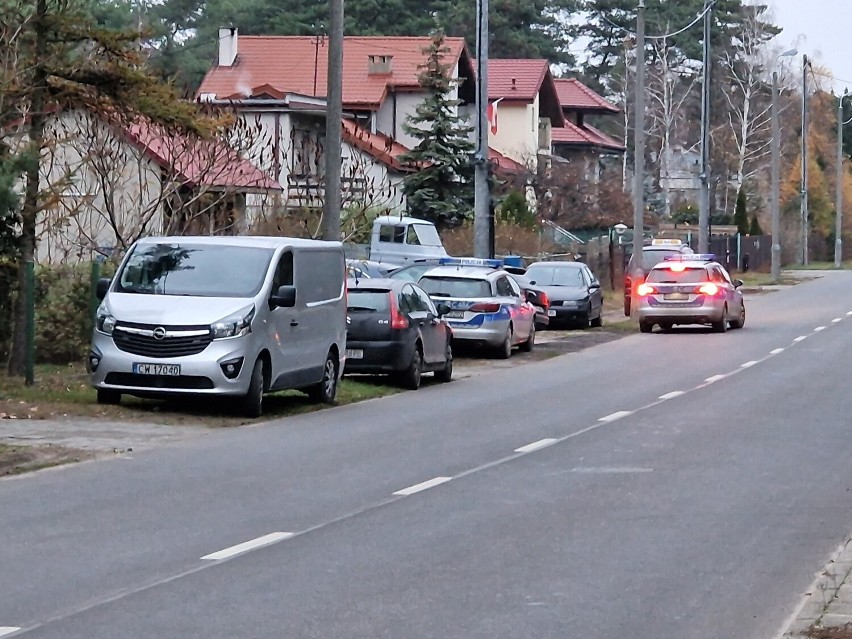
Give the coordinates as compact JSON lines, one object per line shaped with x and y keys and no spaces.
{"x":394,"y":328}
{"x":574,"y":292}
{"x":535,"y":296}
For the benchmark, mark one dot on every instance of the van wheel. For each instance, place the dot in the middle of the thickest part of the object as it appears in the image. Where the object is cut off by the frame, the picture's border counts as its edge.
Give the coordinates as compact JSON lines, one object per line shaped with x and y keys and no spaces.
{"x":446,"y":374}
{"x":252,"y":402}
{"x":108,"y":397}
{"x":325,"y":391}
{"x":412,"y":375}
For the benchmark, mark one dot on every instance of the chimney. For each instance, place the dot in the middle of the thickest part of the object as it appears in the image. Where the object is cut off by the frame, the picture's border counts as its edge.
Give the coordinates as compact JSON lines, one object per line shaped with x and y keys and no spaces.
{"x":379,"y":64}
{"x":227,"y":46}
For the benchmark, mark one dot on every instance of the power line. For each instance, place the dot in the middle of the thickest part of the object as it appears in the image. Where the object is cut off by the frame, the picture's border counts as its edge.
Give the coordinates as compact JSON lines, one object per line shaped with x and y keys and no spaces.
{"x":698,"y":18}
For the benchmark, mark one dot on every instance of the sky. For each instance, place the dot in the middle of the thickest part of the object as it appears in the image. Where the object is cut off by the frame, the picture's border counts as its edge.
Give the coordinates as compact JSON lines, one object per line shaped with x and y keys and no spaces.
{"x":820,"y":29}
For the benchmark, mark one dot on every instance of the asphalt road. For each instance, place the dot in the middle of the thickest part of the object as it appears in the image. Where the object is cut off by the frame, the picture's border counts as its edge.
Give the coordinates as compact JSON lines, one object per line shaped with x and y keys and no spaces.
{"x":701,"y":515}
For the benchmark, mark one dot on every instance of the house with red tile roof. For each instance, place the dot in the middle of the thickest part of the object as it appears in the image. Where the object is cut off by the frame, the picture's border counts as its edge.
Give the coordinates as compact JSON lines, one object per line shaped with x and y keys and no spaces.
{"x":577,"y":137}
{"x":381,"y":89}
{"x":113,"y":181}
{"x":523,"y":108}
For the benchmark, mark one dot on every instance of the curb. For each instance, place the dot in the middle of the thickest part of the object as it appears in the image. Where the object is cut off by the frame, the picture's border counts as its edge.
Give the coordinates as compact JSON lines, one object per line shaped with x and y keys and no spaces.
{"x":827,"y":603}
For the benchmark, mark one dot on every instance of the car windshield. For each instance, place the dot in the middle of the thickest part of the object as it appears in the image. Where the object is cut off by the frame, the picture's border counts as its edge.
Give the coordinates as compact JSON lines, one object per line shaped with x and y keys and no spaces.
{"x":686,"y":276}
{"x":411,"y":273}
{"x":651,"y":258}
{"x":555,"y":275}
{"x":455,"y":287}
{"x":198,"y":270}
{"x":363,"y":300}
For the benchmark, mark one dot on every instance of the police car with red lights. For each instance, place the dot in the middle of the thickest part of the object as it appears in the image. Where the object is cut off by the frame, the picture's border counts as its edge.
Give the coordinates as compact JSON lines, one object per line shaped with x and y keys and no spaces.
{"x":487,"y":307}
{"x":690,"y":289}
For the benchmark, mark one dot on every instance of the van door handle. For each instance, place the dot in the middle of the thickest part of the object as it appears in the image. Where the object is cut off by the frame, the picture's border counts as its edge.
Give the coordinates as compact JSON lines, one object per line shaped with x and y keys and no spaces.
{"x":294,"y":323}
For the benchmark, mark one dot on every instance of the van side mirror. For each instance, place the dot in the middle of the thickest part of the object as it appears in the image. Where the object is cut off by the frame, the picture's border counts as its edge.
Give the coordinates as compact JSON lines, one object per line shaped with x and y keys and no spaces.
{"x":284,"y":297}
{"x":102,"y":287}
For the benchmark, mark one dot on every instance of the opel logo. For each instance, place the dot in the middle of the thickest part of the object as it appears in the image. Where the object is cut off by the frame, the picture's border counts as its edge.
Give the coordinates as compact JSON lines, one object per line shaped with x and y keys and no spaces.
{"x":159,"y":333}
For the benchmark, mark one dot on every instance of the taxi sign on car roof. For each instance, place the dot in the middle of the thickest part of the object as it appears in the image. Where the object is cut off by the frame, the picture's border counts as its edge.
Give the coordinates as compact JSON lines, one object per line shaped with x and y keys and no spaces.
{"x":470,"y":261}
{"x":665,"y":241}
{"x":691,"y":257}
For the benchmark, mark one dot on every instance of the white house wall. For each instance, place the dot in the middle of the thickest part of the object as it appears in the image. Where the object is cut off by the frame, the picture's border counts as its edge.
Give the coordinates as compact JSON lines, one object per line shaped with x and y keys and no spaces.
{"x":517,"y":131}
{"x":104,"y":191}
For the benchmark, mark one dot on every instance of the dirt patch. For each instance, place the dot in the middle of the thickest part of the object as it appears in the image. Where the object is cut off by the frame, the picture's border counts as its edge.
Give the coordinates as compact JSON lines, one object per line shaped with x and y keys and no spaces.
{"x":15,"y":459}
{"x":838,"y":632}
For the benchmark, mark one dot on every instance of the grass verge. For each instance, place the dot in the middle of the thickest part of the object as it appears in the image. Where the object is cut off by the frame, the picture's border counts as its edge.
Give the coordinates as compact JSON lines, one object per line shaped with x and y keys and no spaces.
{"x":63,"y":392}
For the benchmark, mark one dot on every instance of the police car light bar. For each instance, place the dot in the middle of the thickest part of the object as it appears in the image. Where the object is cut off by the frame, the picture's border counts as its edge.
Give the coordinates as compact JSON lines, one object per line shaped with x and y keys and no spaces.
{"x":470,"y":261}
{"x":691,"y":257}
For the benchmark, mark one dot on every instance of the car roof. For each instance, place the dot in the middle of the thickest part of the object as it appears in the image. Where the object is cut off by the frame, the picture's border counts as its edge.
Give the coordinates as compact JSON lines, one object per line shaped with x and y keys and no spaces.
{"x":466,"y":272}
{"x":558,"y":264}
{"x":239,"y":240}
{"x":381,"y":283}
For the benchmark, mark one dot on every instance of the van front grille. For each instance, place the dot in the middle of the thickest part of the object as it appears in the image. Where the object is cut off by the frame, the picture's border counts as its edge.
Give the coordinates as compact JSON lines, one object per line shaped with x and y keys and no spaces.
{"x":161,"y":341}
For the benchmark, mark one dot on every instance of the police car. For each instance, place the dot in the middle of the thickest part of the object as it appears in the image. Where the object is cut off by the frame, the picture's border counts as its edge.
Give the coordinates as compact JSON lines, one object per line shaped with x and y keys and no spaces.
{"x":690,"y":289}
{"x":487,"y":307}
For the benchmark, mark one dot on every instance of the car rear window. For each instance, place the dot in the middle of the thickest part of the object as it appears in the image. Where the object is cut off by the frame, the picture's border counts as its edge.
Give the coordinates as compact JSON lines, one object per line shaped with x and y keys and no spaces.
{"x":686,"y":276}
{"x":455,"y":287}
{"x":364,"y":300}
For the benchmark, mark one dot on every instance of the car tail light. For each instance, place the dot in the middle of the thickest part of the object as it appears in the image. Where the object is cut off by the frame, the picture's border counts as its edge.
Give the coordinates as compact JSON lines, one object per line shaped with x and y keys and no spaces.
{"x":484,"y":308}
{"x":542,"y":297}
{"x":398,"y":319}
{"x":644,"y":289}
{"x":708,"y":289}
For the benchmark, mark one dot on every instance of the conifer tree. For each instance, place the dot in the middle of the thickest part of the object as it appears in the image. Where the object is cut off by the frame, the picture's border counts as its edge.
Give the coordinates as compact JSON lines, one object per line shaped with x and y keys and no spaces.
{"x":741,"y":213}
{"x":441,"y":188}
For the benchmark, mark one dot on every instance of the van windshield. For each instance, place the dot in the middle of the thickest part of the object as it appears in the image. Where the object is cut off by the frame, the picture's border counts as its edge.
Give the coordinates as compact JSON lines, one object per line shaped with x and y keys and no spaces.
{"x":427,"y":235}
{"x":198,"y":270}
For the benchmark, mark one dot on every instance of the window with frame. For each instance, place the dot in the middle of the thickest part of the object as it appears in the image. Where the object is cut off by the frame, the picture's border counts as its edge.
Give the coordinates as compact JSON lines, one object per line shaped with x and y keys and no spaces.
{"x":284,"y":271}
{"x":504,"y":288}
{"x":391,"y":233}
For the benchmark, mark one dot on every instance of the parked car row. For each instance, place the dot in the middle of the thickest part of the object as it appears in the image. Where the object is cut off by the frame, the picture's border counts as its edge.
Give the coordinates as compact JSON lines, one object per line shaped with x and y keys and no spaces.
{"x":244,"y":316}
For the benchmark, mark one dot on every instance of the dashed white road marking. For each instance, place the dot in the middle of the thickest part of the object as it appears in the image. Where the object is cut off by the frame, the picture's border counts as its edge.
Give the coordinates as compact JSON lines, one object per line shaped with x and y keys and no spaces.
{"x":836,"y":319}
{"x":849,"y":313}
{"x":775,"y":351}
{"x":611,"y":470}
{"x":8,"y":630}
{"x":671,"y":395}
{"x":749,"y":364}
{"x":244,"y":547}
{"x":801,"y":338}
{"x":426,"y":485}
{"x":715,"y":378}
{"x":615,"y":416}
{"x":819,"y":328}
{"x":541,"y":443}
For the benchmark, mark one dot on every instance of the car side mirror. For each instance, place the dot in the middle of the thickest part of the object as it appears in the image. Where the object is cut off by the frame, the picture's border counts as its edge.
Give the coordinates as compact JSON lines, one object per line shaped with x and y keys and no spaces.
{"x":531,"y":297}
{"x":442,"y":309}
{"x":738,"y":283}
{"x":595,"y":285}
{"x":284,"y":297}
{"x":102,"y":287}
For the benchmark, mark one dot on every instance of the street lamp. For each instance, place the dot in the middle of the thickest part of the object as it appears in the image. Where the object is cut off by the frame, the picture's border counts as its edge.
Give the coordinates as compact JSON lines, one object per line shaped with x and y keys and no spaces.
{"x":838,"y":219}
{"x":775,"y":205}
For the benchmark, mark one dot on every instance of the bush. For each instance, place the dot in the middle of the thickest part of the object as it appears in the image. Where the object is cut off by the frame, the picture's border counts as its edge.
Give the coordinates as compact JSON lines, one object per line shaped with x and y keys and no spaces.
{"x":63,"y":323}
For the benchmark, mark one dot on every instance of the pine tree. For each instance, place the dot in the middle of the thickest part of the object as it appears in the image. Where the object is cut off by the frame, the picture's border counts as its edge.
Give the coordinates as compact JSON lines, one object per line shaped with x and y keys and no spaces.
{"x":441,"y":189}
{"x":741,"y":213}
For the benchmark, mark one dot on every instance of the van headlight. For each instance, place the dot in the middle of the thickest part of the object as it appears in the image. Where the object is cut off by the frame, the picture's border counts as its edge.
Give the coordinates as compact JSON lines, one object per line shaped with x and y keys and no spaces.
{"x":104,"y":322}
{"x":235,"y":325}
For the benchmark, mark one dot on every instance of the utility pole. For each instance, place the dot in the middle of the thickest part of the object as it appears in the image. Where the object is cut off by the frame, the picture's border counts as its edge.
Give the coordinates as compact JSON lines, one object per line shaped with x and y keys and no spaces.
{"x":775,"y":206}
{"x":704,"y":197}
{"x":333,"y":123}
{"x":804,"y":186}
{"x":838,"y":204}
{"x":482,"y":193}
{"x":638,"y":156}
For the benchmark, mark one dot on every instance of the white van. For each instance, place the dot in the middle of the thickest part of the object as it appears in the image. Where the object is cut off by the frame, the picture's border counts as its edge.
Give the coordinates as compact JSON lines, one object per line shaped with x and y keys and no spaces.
{"x":235,"y":316}
{"x":402,"y":240}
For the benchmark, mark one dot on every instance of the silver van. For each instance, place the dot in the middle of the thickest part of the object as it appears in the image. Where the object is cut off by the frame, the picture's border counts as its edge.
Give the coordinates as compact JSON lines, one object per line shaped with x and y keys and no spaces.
{"x":235,"y":316}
